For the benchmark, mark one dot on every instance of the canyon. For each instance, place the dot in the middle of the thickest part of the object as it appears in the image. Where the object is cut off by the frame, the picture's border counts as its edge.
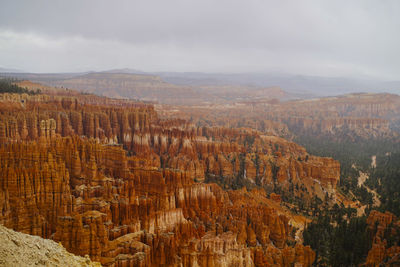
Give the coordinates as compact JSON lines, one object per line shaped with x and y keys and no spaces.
{"x":199,"y":134}
{"x":135,"y":184}
{"x":109,"y":179}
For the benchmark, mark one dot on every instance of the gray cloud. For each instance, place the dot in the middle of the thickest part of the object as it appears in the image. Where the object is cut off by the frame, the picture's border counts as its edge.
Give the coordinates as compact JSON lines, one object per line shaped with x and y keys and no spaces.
{"x":328,"y":38}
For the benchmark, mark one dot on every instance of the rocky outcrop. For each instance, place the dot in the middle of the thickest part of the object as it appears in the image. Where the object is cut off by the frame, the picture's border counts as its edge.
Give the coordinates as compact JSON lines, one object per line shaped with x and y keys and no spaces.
{"x":383,"y":251}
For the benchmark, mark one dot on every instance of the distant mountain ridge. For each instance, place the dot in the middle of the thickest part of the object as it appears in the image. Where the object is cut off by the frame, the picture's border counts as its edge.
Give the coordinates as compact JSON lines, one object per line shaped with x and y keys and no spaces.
{"x":125,"y":83}
{"x":197,"y":88}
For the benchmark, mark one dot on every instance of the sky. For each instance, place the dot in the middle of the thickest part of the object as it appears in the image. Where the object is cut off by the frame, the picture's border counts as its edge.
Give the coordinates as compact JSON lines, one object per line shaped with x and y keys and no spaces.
{"x":358,"y":38}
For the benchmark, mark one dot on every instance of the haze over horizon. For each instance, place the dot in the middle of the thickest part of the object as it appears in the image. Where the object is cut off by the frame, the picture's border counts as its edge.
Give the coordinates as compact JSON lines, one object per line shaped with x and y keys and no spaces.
{"x":317,"y":38}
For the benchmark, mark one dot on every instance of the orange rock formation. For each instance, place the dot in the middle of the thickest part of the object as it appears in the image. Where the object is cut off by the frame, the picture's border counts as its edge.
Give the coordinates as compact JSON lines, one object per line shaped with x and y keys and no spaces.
{"x":109,"y":179}
{"x":381,"y":252}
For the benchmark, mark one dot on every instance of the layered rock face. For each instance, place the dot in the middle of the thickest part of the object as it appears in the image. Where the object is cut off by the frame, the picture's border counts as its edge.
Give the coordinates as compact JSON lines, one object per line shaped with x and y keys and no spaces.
{"x":383,"y":252}
{"x":357,"y":116}
{"x":353,"y":116}
{"x":237,"y":115}
{"x":109,"y":179}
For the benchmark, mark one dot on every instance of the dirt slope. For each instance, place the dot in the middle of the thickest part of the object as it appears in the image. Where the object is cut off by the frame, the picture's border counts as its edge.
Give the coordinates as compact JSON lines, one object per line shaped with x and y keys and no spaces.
{"x":18,"y":249}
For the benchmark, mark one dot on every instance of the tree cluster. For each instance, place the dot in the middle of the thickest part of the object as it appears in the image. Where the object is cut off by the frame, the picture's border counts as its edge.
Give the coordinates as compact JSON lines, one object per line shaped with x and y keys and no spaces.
{"x":8,"y":86}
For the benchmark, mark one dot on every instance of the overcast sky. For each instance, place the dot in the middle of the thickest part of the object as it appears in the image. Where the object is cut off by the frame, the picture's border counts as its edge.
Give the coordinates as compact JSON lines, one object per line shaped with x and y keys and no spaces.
{"x":323,"y":38}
